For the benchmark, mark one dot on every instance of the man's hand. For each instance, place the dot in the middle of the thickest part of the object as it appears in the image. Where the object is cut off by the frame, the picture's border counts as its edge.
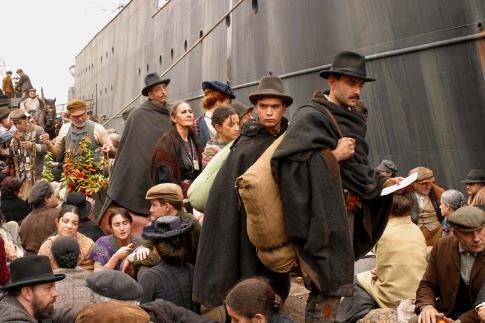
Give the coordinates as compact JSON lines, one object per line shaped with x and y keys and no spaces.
{"x":481,"y":313}
{"x":345,"y":148}
{"x":429,"y":314}
{"x":373,"y":274}
{"x":44,"y":138}
{"x":106,"y":148}
{"x":26,"y":144}
{"x":140,"y":253}
{"x":392,"y":181}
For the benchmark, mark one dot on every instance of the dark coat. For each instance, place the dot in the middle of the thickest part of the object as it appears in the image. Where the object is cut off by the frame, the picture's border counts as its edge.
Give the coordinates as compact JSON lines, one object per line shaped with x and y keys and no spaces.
{"x":90,"y":229}
{"x":162,"y":311}
{"x":311,"y":182}
{"x":167,"y":162}
{"x":442,"y":279}
{"x":225,"y":254}
{"x":130,"y":178}
{"x":14,"y":208}
{"x":23,"y":84}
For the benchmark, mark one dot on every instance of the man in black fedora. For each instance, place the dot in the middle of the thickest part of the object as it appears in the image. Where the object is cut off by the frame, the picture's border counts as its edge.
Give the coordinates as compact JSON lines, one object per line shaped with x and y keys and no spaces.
{"x":32,"y":293}
{"x":475,"y":186}
{"x":334,"y":211}
{"x":130,"y":178}
{"x":225,"y":254}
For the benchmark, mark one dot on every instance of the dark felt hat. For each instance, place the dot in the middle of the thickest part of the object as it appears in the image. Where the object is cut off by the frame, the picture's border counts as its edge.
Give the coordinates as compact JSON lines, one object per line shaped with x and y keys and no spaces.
{"x":114,"y":284}
{"x":219,"y":86}
{"x":166,"y":227}
{"x":4,"y":111}
{"x":271,"y":86}
{"x":78,"y":200}
{"x":4,"y":101}
{"x":467,"y":219}
{"x":151,"y":80}
{"x":31,"y":270}
{"x":348,"y":63}
{"x":475,"y":176}
{"x":240,"y":108}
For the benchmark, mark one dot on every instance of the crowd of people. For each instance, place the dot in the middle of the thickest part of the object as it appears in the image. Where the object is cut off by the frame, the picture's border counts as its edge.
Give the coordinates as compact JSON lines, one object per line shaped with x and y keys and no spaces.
{"x":140,"y":251}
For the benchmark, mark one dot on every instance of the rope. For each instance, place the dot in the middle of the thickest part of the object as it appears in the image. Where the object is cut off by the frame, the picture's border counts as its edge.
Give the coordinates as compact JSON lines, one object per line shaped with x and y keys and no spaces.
{"x":179,"y":59}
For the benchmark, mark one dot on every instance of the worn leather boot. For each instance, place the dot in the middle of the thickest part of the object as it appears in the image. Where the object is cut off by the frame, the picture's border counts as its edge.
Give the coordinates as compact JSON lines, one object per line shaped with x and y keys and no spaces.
{"x":320,"y":308}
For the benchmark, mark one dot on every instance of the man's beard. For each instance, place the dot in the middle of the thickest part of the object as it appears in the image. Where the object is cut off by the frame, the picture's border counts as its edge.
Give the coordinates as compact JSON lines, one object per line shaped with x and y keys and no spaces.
{"x":42,"y":311}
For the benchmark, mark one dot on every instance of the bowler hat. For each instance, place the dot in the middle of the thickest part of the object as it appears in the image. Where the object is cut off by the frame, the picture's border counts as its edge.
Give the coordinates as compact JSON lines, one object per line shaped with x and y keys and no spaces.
{"x":78,"y":200}
{"x":271,"y":86}
{"x":114,"y":284}
{"x":166,"y":191}
{"x":219,"y":86}
{"x":475,"y":176}
{"x":467,"y":219}
{"x":31,"y":270}
{"x":348,"y":63}
{"x":166,"y":227}
{"x":425,"y":175}
{"x":151,"y":80}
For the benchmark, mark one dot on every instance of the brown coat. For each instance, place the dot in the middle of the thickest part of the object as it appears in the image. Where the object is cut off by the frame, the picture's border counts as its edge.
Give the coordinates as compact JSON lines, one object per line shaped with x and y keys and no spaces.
{"x":442,"y":279}
{"x":7,"y":85}
{"x":37,"y":227}
{"x":477,"y":199}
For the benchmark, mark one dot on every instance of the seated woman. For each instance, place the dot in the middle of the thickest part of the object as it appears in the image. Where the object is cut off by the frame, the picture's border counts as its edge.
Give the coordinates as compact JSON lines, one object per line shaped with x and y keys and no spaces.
{"x":72,"y":291}
{"x":253,"y":300}
{"x":110,"y":251}
{"x":67,"y":224}
{"x":451,"y":200}
{"x":172,"y":278}
{"x":226,"y":122}
{"x":177,"y":156}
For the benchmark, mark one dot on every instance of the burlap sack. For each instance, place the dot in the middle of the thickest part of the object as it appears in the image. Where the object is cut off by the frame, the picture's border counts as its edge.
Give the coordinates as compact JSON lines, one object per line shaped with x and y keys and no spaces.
{"x":265,"y":222}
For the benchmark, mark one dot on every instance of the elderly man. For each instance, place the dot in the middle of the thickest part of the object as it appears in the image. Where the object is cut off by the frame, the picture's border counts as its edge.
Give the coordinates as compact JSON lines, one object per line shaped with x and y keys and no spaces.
{"x":32,"y":293}
{"x":130,"y":177}
{"x":225,"y":254}
{"x":7,"y":84}
{"x":455,"y":272}
{"x":334,"y":211}
{"x":40,"y":223}
{"x":24,"y":84}
{"x":475,"y":186}
{"x":426,"y":212}
{"x":27,"y":151}
{"x":72,"y":133}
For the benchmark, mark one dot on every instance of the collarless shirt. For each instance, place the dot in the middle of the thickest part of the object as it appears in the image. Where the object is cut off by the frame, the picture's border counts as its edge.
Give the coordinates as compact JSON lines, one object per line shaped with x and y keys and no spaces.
{"x":467,"y":259}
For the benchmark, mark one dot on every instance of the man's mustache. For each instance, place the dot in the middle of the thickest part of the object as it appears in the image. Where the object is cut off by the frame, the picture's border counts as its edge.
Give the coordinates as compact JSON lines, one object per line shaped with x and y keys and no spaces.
{"x":354,"y":97}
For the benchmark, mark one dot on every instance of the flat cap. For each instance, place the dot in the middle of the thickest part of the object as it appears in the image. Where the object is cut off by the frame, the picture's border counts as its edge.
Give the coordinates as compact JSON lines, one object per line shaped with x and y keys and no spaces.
{"x":76,"y":106}
{"x":387,"y":166}
{"x":18,"y":114}
{"x":114,"y":284}
{"x":467,"y":218}
{"x":166,"y":191}
{"x":112,"y":312}
{"x":39,"y":191}
{"x":425,"y":175}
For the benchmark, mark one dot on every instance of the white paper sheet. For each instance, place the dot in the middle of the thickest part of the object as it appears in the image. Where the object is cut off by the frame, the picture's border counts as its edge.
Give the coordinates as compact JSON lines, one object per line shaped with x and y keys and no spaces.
{"x":405,"y":182}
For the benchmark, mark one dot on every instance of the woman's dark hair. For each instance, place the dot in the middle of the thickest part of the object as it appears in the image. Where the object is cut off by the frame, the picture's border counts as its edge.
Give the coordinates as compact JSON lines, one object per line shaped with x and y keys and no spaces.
{"x":401,"y":205}
{"x":69,"y":208}
{"x":65,"y":251}
{"x":175,"y":250}
{"x":221,"y":114}
{"x":10,"y":186}
{"x":119,"y":211}
{"x":252,"y":296}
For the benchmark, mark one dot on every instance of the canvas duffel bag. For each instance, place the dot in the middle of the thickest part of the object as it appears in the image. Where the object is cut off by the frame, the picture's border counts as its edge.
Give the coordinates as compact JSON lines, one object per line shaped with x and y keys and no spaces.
{"x":265,"y":222}
{"x":200,"y":187}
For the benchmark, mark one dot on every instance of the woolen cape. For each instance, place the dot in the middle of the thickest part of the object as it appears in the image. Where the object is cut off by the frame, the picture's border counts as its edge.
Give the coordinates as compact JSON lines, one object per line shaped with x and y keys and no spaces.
{"x":225,"y":255}
{"x":311,"y":181}
{"x":130,"y":178}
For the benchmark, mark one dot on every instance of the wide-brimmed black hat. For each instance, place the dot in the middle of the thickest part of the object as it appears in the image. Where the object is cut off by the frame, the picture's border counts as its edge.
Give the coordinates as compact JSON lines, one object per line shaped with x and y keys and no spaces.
{"x":348,"y":63}
{"x":151,"y":80}
{"x":166,"y":227}
{"x":475,"y":176}
{"x":78,"y":200}
{"x":219,"y":86}
{"x":271,"y":86}
{"x":31,"y":270}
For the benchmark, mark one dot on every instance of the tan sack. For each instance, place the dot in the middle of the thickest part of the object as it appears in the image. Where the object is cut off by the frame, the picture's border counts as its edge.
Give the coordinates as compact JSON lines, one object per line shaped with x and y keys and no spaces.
{"x":265,"y":222}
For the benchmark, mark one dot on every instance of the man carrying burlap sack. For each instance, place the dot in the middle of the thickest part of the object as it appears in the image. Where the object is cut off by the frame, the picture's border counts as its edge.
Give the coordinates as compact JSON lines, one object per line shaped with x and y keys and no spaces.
{"x":331,"y":196}
{"x":225,"y":254}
